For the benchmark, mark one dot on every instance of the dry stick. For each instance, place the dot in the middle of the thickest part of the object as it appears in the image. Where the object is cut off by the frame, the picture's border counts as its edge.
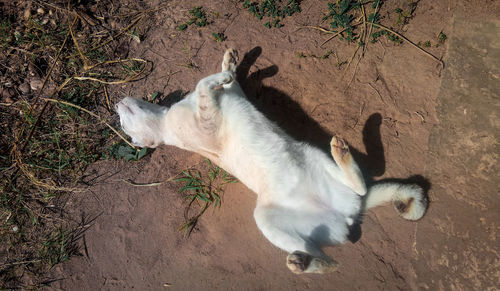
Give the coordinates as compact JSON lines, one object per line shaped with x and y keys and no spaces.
{"x":409,"y":41}
{"x":41,"y":89}
{"x":108,"y":104}
{"x":117,"y":61}
{"x":84,"y":59}
{"x":92,"y":114}
{"x":378,"y":93}
{"x":363,"y":35}
{"x":19,"y":263}
{"x":326,"y":31}
{"x":317,"y":28}
{"x":350,"y":60}
{"x":119,"y":33}
{"x":148,"y":184}
{"x":332,"y":37}
{"x":354,"y":74}
{"x":112,"y":37}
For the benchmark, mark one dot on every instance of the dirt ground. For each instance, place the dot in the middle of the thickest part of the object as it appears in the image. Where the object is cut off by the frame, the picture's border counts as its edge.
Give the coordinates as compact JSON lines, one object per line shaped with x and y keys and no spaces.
{"x":405,"y":116}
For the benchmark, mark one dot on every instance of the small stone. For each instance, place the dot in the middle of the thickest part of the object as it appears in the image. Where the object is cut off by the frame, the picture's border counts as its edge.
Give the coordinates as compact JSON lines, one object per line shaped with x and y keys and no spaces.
{"x":27,"y":14}
{"x":24,"y":88}
{"x":40,"y":11}
{"x":7,"y":92}
{"x":36,"y":84}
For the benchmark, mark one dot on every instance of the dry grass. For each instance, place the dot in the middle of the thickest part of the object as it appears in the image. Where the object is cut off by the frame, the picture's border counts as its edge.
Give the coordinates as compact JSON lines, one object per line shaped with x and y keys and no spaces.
{"x":56,"y":64}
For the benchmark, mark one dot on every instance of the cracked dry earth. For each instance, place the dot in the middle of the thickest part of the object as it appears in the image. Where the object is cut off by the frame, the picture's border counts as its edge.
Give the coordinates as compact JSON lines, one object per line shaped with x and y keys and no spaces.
{"x":404,"y":116}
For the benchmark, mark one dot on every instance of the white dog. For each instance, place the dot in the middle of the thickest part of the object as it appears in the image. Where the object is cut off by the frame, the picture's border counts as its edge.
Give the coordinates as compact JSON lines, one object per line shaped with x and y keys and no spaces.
{"x":305,"y":199}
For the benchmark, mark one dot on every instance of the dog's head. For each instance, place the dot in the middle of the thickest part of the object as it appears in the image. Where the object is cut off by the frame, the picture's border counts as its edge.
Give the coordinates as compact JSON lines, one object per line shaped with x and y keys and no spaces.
{"x":142,"y":121}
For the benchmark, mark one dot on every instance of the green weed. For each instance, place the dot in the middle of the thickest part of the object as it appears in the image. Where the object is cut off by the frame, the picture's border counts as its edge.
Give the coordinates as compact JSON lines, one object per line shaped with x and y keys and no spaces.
{"x":342,"y":14}
{"x":202,"y":189}
{"x":219,"y":37}
{"x":57,"y":247}
{"x":274,"y":10}
{"x":120,"y":150}
{"x":198,"y":18}
{"x":442,"y":37}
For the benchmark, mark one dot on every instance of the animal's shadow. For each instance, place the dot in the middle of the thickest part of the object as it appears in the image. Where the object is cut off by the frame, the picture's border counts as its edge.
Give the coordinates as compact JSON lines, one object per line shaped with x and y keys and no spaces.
{"x":288,"y":114}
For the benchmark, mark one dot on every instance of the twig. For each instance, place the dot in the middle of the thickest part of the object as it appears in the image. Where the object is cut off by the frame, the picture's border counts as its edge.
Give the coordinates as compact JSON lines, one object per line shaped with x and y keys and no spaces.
{"x":354,"y":74}
{"x":316,"y":28}
{"x":335,"y":34}
{"x":19,"y":263}
{"x":147,"y":184}
{"x":378,"y":93}
{"x":84,"y":59}
{"x":409,"y":41}
{"x":332,"y":37}
{"x":363,"y":35}
{"x":350,"y":60}
{"x":108,"y":104}
{"x":41,"y":89}
{"x":92,"y":114}
{"x":119,"y":33}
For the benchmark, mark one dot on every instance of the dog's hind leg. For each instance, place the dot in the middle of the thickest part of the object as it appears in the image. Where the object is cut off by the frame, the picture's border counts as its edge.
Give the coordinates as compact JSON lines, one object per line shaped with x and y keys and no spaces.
{"x":292,"y":233}
{"x":345,"y":161}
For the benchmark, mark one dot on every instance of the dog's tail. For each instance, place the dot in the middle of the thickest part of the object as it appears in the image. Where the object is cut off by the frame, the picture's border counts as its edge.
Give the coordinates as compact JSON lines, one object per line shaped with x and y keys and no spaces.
{"x":408,"y":199}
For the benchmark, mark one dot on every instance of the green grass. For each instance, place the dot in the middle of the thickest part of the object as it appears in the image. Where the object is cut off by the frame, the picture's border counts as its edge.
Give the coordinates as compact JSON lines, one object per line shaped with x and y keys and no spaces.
{"x":202,"y":190}
{"x":198,"y":17}
{"x":274,"y":11}
{"x":46,"y":148}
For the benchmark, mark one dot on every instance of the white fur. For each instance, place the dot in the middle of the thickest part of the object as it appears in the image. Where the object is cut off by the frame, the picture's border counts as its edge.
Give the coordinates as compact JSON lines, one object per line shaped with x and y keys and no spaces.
{"x":396,"y":192}
{"x":305,"y":199}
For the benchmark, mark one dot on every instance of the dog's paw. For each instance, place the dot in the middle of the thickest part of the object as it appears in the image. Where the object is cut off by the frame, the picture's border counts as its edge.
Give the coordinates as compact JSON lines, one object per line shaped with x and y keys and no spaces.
{"x":298,"y":262}
{"x":340,"y":150}
{"x":230,"y":60}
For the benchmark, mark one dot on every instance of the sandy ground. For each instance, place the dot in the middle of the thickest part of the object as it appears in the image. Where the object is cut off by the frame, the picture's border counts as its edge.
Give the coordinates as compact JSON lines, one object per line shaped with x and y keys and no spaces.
{"x":403,"y":114}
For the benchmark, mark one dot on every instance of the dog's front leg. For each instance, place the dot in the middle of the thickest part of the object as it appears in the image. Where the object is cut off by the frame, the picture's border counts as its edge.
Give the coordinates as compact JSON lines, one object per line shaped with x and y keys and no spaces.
{"x":207,"y":103}
{"x":208,"y":89}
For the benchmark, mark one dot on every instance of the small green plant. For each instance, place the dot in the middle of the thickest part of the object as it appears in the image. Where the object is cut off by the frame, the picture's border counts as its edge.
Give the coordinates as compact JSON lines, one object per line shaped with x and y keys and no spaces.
{"x":404,"y":15}
{"x":342,"y":14}
{"x":204,"y":189}
{"x":219,"y":36}
{"x":120,"y":150}
{"x":427,"y":43}
{"x":154,"y":95}
{"x":276,"y":10}
{"x":198,"y":18}
{"x":442,"y":37}
{"x":58,"y":247}
{"x":132,"y":67}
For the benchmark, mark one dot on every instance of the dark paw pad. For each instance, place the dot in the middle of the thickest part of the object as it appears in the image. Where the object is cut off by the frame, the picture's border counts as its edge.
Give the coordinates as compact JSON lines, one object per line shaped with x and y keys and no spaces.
{"x":298,"y":261}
